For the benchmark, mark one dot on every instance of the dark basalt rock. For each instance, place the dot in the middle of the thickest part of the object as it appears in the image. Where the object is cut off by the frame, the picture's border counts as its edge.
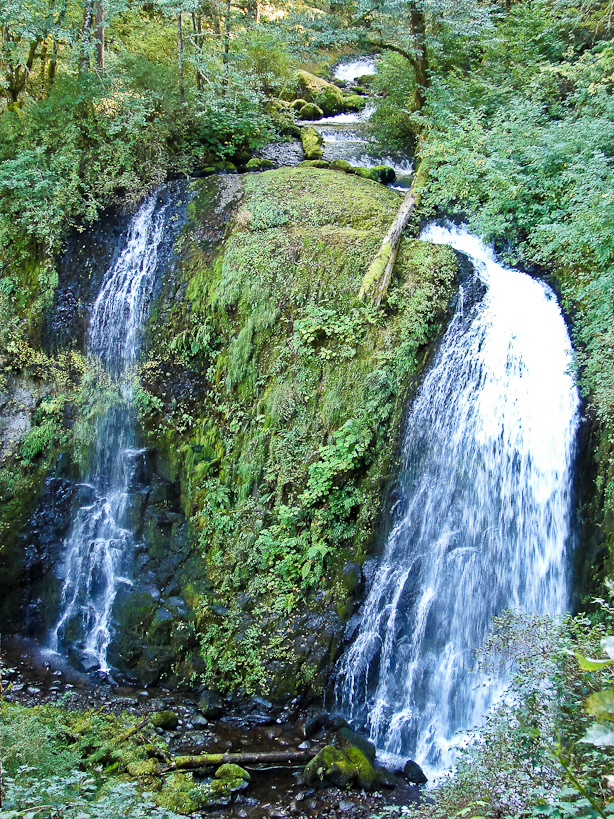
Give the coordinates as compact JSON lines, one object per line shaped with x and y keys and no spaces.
{"x":414,"y":773}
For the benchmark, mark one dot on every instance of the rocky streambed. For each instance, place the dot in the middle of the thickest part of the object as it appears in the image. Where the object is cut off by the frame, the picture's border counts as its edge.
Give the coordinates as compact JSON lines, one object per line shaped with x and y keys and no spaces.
{"x":342,"y":778}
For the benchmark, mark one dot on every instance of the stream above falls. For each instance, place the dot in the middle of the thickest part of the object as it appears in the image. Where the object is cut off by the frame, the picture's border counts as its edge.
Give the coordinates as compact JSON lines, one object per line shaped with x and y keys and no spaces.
{"x":346,"y":136}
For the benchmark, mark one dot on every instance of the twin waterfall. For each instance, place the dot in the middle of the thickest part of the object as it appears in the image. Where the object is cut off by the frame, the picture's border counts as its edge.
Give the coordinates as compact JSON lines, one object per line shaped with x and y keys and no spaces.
{"x":483,"y":523}
{"x":100,"y":544}
{"x":484,"y":517}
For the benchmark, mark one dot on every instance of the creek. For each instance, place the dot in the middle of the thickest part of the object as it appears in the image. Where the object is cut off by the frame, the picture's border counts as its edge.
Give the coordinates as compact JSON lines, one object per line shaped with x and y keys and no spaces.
{"x":482,"y":520}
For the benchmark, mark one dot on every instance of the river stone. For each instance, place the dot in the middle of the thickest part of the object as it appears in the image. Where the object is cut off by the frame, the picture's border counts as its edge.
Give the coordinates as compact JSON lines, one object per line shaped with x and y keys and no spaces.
{"x":381,"y":173}
{"x":167,"y":720}
{"x":414,"y":773}
{"x":354,"y":102}
{"x":310,"y":111}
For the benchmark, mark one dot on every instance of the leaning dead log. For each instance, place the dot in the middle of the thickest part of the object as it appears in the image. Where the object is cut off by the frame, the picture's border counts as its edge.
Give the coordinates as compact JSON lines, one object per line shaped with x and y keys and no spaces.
{"x":377,"y":279}
{"x":135,"y":728}
{"x":182,"y":763}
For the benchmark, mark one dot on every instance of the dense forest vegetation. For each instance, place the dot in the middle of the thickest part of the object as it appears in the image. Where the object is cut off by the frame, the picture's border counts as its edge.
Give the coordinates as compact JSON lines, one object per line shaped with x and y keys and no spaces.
{"x":508,"y":109}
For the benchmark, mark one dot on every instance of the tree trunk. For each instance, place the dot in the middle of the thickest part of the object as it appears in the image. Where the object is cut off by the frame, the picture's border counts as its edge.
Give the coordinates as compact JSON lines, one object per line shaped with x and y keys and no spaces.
{"x":417,"y":26}
{"x":226,"y":58}
{"x":88,"y":17}
{"x":376,"y":281}
{"x":210,"y":760}
{"x":99,"y":29}
{"x":180,"y":58}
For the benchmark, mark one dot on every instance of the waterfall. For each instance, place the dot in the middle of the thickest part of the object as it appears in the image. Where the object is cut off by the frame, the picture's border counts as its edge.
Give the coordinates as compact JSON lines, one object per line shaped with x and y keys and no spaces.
{"x":99,"y":547}
{"x":484,"y":519}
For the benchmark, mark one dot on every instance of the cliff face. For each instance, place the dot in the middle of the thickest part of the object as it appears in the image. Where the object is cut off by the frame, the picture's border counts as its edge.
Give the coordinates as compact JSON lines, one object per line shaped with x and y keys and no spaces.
{"x":274,"y":400}
{"x":271,"y":402}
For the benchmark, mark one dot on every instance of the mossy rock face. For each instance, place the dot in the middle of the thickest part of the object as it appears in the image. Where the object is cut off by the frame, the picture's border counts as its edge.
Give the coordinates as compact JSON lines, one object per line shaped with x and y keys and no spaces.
{"x":283,"y":367}
{"x":298,"y":104}
{"x":312,"y":142}
{"x":259,"y":164}
{"x":310,"y":111}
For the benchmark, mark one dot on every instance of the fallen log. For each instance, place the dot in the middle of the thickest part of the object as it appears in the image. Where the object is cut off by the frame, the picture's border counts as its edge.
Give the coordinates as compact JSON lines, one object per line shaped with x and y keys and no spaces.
{"x":135,"y":728}
{"x":180,"y":763}
{"x":377,"y":279}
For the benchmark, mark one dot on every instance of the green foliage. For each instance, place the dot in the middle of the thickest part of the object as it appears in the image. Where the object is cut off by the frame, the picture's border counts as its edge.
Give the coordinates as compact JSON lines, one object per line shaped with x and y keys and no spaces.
{"x":53,"y":762}
{"x":281,"y":464}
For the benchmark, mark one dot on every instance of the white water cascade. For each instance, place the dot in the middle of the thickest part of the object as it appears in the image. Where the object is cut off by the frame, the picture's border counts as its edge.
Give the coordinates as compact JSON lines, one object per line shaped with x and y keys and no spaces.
{"x":484,"y":519}
{"x":99,"y":547}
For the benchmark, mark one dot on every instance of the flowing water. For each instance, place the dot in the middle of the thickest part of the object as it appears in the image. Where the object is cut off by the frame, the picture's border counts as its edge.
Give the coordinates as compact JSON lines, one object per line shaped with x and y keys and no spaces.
{"x":484,"y":519}
{"x":100,"y":544}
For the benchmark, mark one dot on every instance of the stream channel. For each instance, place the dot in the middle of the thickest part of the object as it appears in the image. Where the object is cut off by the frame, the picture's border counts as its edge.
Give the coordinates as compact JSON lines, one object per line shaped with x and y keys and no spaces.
{"x":484,"y":501}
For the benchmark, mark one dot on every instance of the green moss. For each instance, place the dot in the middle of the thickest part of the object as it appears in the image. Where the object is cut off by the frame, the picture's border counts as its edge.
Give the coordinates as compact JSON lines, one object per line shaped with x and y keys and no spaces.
{"x":230,"y":771}
{"x":258,"y":164}
{"x":290,"y":442}
{"x":310,"y":111}
{"x":312,"y":141}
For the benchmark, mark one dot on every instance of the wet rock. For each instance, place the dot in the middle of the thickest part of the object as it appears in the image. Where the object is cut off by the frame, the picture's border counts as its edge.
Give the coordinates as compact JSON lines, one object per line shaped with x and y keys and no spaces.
{"x":414,"y":773}
{"x":385,"y":778}
{"x":211,"y":704}
{"x":342,"y":768}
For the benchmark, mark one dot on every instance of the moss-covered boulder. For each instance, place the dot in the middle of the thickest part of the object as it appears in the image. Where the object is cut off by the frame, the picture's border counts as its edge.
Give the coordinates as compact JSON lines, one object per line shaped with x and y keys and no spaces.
{"x":312,"y":142}
{"x":341,"y":165}
{"x":310,"y":111}
{"x":313,"y":163}
{"x":380,"y":173}
{"x":354,"y":102}
{"x":231,"y":771}
{"x":346,"y":738}
{"x":313,"y":89}
{"x":167,"y":720}
{"x":296,"y":105}
{"x":259,"y":164}
{"x":341,"y":768}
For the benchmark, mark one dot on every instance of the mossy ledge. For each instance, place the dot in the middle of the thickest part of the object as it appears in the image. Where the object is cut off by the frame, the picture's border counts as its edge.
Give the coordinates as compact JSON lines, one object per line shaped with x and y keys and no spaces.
{"x":276,"y":398}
